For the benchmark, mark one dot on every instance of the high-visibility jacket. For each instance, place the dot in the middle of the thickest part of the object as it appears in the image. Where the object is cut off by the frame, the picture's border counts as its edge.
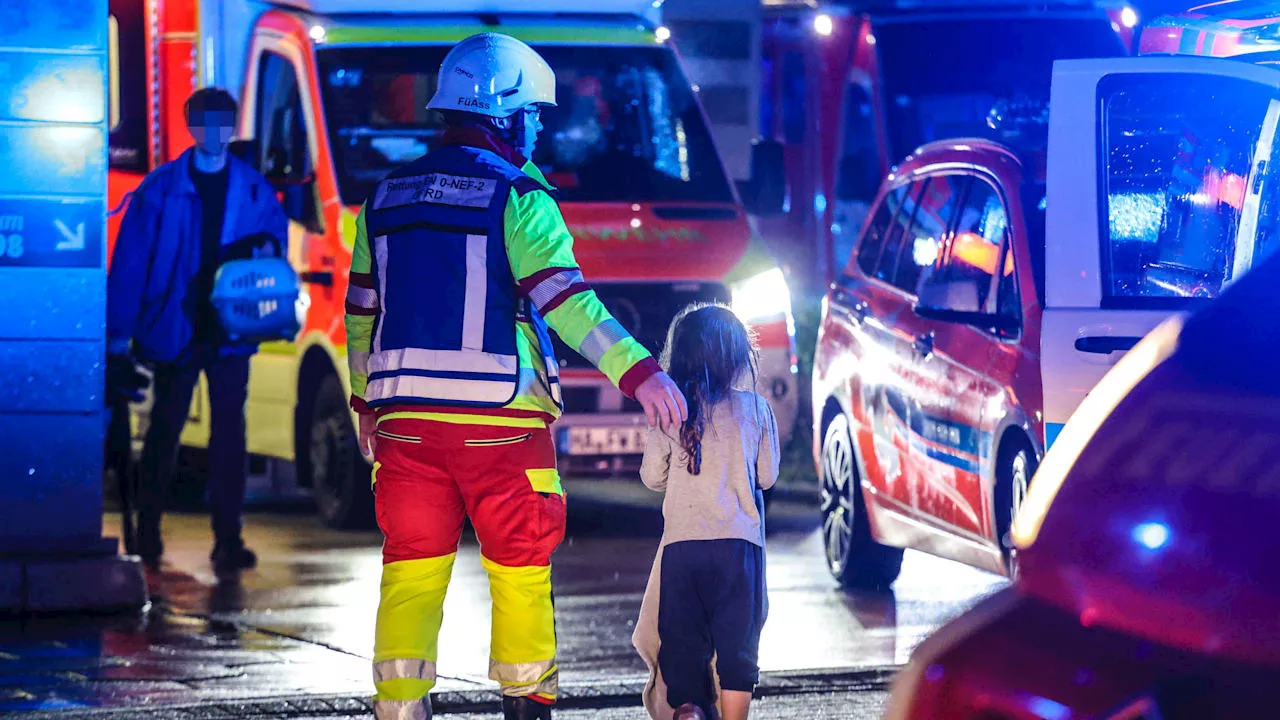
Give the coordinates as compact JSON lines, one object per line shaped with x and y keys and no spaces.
{"x":444,"y":307}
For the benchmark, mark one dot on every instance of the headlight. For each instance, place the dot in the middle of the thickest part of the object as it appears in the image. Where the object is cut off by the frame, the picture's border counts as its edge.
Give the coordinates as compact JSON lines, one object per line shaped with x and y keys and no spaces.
{"x":762,"y":297}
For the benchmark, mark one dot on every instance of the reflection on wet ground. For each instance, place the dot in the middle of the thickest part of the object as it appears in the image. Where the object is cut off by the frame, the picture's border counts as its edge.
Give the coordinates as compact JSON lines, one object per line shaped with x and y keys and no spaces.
{"x":302,"y":622}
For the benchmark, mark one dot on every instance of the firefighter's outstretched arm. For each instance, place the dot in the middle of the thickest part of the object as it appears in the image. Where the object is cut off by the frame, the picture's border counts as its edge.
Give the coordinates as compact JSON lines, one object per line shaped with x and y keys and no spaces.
{"x":541,"y":252}
{"x":362,"y":308}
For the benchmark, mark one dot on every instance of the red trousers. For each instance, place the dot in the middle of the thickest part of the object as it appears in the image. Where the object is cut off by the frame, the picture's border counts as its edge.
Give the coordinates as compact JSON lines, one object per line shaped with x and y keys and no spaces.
{"x":430,"y":475}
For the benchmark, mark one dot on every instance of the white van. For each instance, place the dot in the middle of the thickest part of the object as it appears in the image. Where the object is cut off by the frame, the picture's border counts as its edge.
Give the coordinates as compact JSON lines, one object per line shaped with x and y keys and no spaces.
{"x":1163,"y":188}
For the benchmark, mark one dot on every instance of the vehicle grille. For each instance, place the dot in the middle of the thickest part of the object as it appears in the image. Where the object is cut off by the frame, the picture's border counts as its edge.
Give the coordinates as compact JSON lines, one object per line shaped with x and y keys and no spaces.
{"x":646,"y":311}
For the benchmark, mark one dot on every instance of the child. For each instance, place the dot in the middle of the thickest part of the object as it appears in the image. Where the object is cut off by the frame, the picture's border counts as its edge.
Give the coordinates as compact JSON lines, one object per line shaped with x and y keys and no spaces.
{"x":710,"y":567}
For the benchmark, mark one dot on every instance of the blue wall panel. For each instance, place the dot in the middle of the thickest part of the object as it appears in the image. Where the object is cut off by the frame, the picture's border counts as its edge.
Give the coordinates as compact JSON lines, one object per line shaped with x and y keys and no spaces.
{"x":78,"y":314}
{"x":53,"y":179}
{"x":47,"y":468}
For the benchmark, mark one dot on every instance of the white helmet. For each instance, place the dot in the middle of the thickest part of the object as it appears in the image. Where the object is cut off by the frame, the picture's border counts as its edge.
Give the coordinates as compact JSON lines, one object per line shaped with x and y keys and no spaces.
{"x":495,"y":75}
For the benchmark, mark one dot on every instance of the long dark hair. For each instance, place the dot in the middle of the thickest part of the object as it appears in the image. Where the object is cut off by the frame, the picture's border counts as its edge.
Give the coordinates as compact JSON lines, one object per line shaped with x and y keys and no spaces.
{"x":708,"y":351}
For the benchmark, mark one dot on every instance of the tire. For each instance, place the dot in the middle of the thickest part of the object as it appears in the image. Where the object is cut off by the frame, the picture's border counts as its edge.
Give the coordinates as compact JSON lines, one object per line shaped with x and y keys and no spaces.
{"x":339,"y":473}
{"x":855,"y":560}
{"x":1013,"y":478}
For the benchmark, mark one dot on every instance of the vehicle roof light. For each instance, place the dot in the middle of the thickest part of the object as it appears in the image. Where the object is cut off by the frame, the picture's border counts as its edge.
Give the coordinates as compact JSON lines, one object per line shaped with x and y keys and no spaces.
{"x":663,"y":33}
{"x":1129,"y":17}
{"x":318,"y":33}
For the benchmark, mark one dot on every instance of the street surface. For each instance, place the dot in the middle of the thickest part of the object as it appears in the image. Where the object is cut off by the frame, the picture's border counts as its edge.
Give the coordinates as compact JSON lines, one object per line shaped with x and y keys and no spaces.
{"x":302,"y":623}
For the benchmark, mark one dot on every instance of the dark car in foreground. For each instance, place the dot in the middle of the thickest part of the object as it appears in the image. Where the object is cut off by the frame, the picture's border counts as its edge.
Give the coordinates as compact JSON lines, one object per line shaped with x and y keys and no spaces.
{"x":1148,"y":583}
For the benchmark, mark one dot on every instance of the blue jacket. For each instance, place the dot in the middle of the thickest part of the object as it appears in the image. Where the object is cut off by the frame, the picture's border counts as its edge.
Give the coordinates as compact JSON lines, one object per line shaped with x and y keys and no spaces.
{"x":157,"y":256}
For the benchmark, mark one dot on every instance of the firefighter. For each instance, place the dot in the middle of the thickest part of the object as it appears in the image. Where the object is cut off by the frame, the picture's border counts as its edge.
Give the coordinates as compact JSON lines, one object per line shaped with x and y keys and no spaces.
{"x":461,"y":261}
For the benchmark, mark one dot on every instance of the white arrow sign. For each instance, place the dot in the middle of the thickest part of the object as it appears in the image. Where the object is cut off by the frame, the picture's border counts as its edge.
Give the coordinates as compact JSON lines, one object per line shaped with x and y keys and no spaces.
{"x":70,"y":241}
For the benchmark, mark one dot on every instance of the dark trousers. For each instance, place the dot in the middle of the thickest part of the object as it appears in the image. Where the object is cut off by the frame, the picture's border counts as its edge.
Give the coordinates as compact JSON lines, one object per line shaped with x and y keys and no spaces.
{"x":712,"y":600}
{"x":172,"y":390}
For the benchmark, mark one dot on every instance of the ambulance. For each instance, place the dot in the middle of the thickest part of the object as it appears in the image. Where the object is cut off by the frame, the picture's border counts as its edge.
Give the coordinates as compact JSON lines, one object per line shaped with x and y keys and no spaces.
{"x":332,"y":96}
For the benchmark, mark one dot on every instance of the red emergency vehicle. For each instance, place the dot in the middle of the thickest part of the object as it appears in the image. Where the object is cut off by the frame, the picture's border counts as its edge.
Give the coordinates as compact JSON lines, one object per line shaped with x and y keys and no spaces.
{"x":850,"y":90}
{"x":1220,"y":29}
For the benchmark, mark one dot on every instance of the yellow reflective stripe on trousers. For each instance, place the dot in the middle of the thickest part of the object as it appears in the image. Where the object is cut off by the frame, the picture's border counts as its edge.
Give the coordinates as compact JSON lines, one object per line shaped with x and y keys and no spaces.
{"x":467,"y":419}
{"x":402,"y":709}
{"x":535,"y":678}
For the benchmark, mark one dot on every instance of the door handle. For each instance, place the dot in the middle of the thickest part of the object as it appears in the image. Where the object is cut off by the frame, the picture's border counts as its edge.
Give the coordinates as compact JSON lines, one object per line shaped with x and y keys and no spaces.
{"x":923,"y":344}
{"x":1106,"y":344}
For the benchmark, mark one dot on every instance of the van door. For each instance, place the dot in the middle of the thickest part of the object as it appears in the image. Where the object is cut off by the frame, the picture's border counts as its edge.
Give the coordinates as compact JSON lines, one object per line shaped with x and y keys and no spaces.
{"x":1158,"y":170}
{"x":280,"y":116}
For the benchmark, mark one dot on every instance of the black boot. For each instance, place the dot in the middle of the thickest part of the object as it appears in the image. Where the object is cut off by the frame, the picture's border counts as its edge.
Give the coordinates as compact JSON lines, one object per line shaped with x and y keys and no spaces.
{"x":232,"y":556}
{"x":522,"y":708}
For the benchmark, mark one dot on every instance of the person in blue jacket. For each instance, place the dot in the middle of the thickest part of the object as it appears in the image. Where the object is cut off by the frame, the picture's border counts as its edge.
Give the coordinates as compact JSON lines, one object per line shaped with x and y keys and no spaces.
{"x":185,"y":219}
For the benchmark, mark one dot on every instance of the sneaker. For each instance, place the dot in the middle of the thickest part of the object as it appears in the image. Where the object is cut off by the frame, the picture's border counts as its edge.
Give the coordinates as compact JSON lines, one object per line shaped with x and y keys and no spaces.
{"x":522,"y":708}
{"x":232,"y":557}
{"x":689,"y":711}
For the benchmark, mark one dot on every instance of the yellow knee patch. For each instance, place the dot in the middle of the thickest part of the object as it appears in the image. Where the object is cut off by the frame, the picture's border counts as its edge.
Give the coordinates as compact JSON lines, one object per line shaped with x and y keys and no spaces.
{"x":524,"y":623}
{"x":411,"y":608}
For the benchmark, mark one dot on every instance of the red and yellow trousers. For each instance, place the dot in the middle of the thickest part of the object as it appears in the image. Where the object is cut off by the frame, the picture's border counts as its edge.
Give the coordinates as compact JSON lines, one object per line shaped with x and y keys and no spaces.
{"x":428,"y":477}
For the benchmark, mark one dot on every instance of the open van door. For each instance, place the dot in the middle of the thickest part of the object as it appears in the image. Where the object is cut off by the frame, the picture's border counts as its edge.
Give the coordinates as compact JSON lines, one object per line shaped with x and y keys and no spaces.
{"x":1163,"y":188}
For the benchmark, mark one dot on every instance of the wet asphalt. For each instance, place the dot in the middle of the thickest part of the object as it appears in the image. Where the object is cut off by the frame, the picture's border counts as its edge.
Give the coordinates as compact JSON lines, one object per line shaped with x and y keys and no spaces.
{"x":302,"y":622}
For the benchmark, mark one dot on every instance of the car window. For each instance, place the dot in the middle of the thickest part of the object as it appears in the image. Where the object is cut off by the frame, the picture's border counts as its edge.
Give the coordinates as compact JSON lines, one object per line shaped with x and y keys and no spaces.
{"x":929,"y":229}
{"x":963,"y":277}
{"x":280,"y":124}
{"x":878,"y":229}
{"x":887,"y":267}
{"x":1177,"y":153}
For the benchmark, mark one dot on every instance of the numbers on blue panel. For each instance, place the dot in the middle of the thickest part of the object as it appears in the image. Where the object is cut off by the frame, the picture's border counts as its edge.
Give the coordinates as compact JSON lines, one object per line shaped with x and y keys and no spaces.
{"x":11,"y":246}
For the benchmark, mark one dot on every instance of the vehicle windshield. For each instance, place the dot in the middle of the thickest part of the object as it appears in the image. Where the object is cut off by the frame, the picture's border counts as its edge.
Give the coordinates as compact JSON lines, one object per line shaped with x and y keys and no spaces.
{"x":627,"y":127}
{"x":942,"y":78}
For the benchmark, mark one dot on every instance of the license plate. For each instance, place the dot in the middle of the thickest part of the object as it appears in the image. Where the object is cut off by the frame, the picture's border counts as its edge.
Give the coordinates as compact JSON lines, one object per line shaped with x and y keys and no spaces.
{"x":605,"y":441}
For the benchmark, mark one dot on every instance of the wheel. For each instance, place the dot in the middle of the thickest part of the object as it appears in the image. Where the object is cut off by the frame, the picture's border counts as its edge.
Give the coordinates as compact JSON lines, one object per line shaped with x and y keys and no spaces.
{"x":1013,"y":479}
{"x":853,"y":557}
{"x":339,"y":473}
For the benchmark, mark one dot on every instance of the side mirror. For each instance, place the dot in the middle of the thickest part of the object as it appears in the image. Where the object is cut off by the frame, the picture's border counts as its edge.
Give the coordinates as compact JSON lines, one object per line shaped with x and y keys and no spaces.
{"x":1003,"y":324}
{"x":766,"y":192}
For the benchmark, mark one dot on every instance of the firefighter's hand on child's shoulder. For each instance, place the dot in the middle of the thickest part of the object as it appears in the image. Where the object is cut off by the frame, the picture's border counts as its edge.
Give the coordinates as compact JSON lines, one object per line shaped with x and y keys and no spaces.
{"x":663,"y":403}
